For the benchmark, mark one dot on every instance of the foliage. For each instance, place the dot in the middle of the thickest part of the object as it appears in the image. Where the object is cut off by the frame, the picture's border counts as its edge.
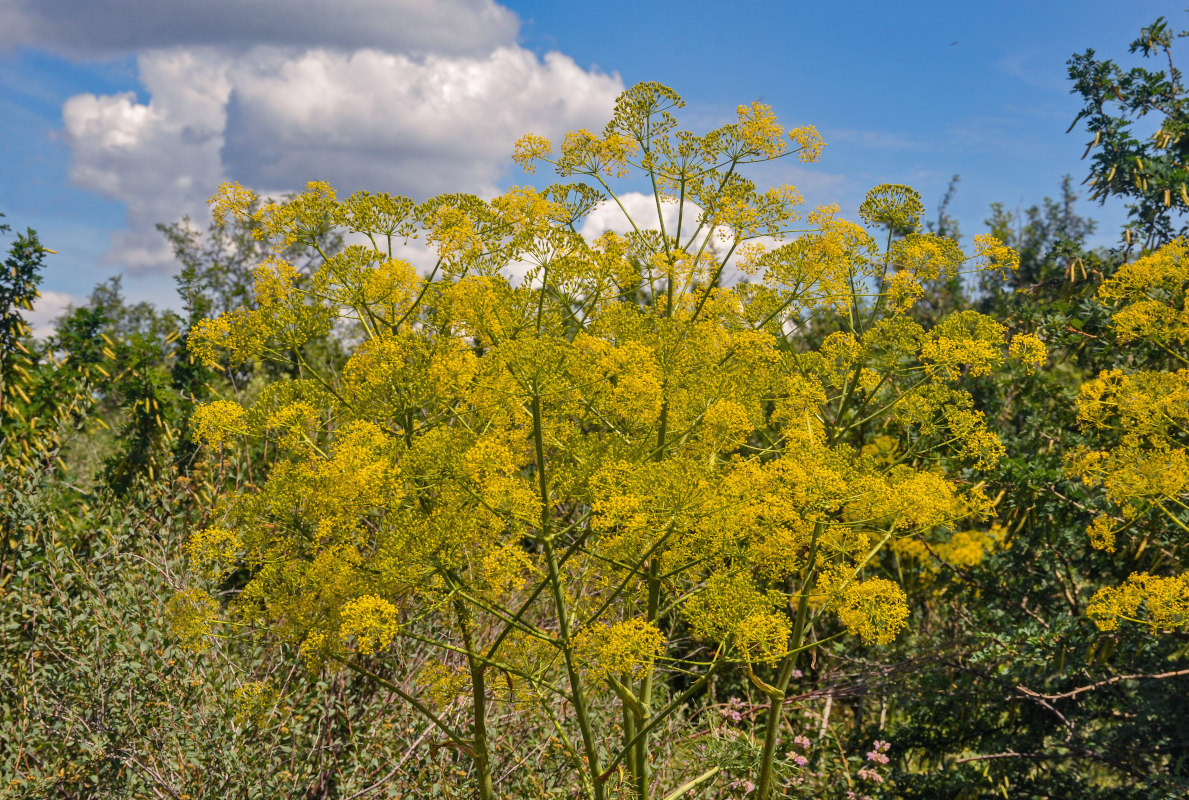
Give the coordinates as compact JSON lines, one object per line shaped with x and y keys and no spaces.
{"x":1152,"y":173}
{"x":1007,"y":686}
{"x":1050,"y":239}
{"x":107,"y":703}
{"x":23,"y":421}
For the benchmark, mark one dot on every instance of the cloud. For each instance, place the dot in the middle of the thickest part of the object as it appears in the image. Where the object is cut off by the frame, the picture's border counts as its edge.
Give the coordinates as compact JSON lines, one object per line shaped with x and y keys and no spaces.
{"x":392,"y":122}
{"x":96,"y":29}
{"x":274,"y":119}
{"x":1048,"y":75}
{"x":48,"y":308}
{"x":874,"y":140}
{"x":161,"y":159}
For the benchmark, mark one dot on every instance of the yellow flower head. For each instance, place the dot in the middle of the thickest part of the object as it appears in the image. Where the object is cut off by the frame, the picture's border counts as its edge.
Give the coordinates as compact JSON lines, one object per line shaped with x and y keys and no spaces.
{"x":215,"y":422}
{"x":213,"y":552}
{"x":1166,"y":600}
{"x":530,"y":149}
{"x":764,"y":637}
{"x":372,"y":621}
{"x":892,"y":204}
{"x":875,"y":609}
{"x":809,"y":143}
{"x":994,"y":254}
{"x":191,"y":616}
{"x":1028,"y":349}
{"x":619,"y":648}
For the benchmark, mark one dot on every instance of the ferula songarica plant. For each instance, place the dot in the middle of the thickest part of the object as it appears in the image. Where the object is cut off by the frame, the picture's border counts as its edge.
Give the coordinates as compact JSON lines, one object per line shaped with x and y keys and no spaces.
{"x":590,"y":472}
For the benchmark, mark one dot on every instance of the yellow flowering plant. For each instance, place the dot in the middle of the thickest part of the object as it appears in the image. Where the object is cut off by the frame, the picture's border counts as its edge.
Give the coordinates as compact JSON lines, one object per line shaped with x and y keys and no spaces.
{"x":1141,"y":417}
{"x":554,"y":482}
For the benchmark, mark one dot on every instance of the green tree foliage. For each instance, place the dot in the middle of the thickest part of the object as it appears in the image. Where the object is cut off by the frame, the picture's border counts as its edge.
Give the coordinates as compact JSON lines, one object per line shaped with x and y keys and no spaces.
{"x":1051,"y":240}
{"x":22,"y":418}
{"x":105,"y":703}
{"x":1053,"y":704}
{"x":1152,"y":172}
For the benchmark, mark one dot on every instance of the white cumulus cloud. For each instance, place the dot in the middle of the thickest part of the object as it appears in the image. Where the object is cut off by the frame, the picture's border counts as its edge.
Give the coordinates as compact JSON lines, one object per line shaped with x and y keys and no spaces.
{"x":47,"y":308}
{"x":392,"y":122}
{"x":274,"y":118}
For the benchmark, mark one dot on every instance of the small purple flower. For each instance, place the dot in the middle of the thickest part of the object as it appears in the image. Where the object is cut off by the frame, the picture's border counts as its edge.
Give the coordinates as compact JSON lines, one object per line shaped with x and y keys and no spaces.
{"x":870,"y":775}
{"x":733,"y":710}
{"x":800,"y":760}
{"x":801,"y":741}
{"x":877,"y":755}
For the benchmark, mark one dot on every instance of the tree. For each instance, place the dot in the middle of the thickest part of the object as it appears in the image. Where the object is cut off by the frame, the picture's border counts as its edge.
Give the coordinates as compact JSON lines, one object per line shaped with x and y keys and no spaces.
{"x":585,"y":506}
{"x":1153,"y":173}
{"x":1054,"y":706}
{"x":19,"y":421}
{"x":1050,"y":239}
{"x":93,"y":518}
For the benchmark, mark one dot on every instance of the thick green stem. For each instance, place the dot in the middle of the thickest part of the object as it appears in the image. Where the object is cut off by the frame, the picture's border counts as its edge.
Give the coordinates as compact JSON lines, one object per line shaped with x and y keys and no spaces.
{"x":641,"y":772}
{"x":576,"y":688}
{"x":776,"y":709}
{"x":559,"y":600}
{"x":772,"y":726}
{"x":659,"y":717}
{"x":629,"y":734}
{"x":477,"y":667}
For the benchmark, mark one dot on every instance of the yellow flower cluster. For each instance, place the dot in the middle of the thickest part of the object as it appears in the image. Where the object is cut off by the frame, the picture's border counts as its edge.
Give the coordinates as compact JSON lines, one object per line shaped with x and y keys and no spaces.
{"x":964,"y":342}
{"x":896,"y":206}
{"x":530,"y":149}
{"x":372,"y":621}
{"x":253,"y":702}
{"x":1141,"y":416}
{"x":213,"y":552}
{"x":619,"y":648}
{"x":191,"y":615}
{"x":729,"y":604}
{"x":759,"y":132}
{"x":809,"y":143}
{"x":763,"y":637}
{"x":507,"y":460}
{"x":875,"y":609}
{"x":1165,"y":600}
{"x":994,"y":254}
{"x":1029,"y":350}
{"x":1150,"y":294}
{"x":583,"y":152}
{"x":506,"y":569}
{"x":963,"y":548}
{"x":231,"y":200}
{"x":215,"y":422}
{"x":444,"y":683}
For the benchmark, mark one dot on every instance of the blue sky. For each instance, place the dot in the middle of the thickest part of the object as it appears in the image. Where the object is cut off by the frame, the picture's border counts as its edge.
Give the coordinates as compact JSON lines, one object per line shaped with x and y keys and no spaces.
{"x":119,"y":115}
